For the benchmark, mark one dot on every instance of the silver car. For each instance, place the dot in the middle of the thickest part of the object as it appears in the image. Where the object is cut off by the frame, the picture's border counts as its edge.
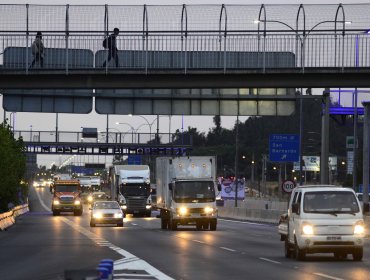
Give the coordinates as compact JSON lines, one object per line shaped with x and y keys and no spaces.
{"x":106,"y":212}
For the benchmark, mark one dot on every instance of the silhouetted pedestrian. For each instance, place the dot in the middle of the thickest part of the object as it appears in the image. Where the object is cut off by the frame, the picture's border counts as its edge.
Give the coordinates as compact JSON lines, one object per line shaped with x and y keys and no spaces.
{"x":37,"y":49}
{"x":110,"y":43}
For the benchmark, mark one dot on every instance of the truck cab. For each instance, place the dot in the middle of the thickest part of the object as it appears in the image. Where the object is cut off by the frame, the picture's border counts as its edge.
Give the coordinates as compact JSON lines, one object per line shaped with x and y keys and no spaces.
{"x":67,"y":197}
{"x":133,"y":188}
{"x":323,"y":219}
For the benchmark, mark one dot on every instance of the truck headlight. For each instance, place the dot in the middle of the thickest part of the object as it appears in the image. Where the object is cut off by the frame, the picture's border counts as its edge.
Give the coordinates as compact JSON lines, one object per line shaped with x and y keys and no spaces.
{"x":56,"y":202}
{"x":208,"y":210}
{"x":89,"y":198}
{"x":183,"y":210}
{"x":307,"y":229}
{"x":77,"y":202}
{"x":118,"y":215}
{"x":98,"y":215}
{"x":359,"y":228}
{"x":148,"y":206}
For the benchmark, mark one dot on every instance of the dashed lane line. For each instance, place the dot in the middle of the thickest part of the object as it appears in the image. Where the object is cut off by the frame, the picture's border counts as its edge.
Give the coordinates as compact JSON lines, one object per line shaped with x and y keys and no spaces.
{"x":228,"y":249}
{"x":327,"y":276}
{"x":271,"y":261}
{"x":128,"y":262}
{"x":198,"y":241}
{"x":242,"y":222}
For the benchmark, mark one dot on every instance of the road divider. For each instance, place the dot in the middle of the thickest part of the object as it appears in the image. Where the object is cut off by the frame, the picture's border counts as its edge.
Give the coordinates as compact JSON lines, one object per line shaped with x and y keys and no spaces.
{"x":254,"y":215}
{"x":7,"y":219}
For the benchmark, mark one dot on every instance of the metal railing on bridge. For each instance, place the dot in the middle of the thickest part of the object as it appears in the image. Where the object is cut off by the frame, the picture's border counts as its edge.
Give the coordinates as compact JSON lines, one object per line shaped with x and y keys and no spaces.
{"x":223,"y":37}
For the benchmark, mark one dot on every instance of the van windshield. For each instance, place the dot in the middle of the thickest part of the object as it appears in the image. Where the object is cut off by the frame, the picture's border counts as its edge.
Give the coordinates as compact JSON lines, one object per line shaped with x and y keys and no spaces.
{"x":330,"y":202}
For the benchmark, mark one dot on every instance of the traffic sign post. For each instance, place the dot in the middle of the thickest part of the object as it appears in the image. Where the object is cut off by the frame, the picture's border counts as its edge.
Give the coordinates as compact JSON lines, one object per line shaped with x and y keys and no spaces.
{"x":288,"y":186}
{"x":284,"y":147}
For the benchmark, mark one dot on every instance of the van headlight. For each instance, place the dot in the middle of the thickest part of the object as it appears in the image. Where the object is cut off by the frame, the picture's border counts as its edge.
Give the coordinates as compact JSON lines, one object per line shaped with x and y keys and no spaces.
{"x":307,"y":229}
{"x":89,"y":198}
{"x":56,"y":202}
{"x":182,"y":211}
{"x":77,"y":202}
{"x":359,"y":228}
{"x":208,"y":210}
{"x":148,"y":206}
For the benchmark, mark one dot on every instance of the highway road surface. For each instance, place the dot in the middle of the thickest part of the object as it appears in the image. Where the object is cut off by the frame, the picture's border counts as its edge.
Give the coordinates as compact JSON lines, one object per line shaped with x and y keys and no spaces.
{"x":41,"y":246}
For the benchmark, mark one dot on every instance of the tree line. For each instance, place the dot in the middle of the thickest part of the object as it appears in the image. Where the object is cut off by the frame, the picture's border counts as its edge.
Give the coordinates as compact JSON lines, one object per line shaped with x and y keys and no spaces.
{"x":13,"y":190}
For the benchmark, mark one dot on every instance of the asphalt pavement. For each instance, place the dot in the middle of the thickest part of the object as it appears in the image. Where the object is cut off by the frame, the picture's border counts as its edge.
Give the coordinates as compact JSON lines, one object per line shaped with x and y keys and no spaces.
{"x":41,"y":246}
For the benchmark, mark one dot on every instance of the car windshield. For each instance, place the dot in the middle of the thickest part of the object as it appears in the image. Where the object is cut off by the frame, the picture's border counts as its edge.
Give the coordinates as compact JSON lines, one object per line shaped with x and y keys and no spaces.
{"x":135,"y":189}
{"x":106,"y":205}
{"x":330,"y":202}
{"x":66,"y":188}
{"x":194,"y":191}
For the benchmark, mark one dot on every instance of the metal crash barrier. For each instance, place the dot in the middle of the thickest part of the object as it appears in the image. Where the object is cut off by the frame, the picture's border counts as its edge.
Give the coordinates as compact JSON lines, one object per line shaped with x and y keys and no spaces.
{"x":8,"y":218}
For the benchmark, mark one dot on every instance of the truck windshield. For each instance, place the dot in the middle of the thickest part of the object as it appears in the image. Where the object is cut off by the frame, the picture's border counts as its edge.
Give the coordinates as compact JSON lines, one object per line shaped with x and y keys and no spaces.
{"x":330,"y":202}
{"x":135,"y":189}
{"x":66,"y":188}
{"x":190,"y":191}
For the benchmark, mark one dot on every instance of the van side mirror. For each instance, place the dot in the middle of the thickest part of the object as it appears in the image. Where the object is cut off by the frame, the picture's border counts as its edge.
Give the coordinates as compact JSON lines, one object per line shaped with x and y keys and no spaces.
{"x":219,"y":187}
{"x":170,"y":187}
{"x":295,"y":208}
{"x":365,"y":208}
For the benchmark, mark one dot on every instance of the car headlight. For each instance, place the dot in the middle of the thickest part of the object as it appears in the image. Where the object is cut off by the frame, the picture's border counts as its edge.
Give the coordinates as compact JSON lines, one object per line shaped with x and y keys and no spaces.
{"x":56,"y":202}
{"x":183,"y":211}
{"x":98,"y":215}
{"x":307,"y":229}
{"x":77,"y":202}
{"x":124,"y":207}
{"x":118,"y":215}
{"x":148,"y":206}
{"x":35,"y":184}
{"x":359,"y":228}
{"x":208,"y":210}
{"x":89,"y":198}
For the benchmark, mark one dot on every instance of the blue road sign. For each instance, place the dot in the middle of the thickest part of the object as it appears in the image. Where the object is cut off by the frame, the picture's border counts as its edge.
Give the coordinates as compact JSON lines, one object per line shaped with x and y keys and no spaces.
{"x":284,"y":147}
{"x":134,"y":159}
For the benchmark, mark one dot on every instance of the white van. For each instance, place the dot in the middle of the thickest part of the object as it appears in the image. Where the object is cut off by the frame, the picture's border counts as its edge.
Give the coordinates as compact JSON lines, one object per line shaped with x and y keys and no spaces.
{"x":324,"y":219}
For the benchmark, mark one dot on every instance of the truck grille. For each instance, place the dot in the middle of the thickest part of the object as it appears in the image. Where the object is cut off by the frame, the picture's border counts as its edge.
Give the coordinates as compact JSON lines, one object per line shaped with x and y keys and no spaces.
{"x":66,"y":199}
{"x":136,"y":203}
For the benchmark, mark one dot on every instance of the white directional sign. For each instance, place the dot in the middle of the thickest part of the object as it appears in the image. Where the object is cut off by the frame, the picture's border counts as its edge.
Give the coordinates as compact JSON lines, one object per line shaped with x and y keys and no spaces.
{"x":288,"y":186}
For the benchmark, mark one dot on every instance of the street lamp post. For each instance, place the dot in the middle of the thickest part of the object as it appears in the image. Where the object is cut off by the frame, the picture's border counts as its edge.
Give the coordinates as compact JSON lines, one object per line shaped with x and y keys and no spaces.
{"x":132,"y":128}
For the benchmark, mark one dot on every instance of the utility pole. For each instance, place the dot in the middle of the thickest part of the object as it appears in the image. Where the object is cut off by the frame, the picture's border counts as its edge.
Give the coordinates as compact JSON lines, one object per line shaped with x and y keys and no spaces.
{"x":236,"y":159}
{"x":107,"y":136}
{"x":301,"y":139}
{"x":365,"y":162}
{"x":324,"y":160}
{"x":355,"y":117}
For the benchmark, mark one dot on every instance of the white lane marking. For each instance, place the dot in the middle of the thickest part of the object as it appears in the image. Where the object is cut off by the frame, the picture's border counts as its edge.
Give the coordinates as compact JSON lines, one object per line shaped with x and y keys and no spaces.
{"x":327,"y":276}
{"x":227,"y":249}
{"x":129,"y":261}
{"x":268,"y":260}
{"x":133,"y":224}
{"x":135,"y":275}
{"x":240,"y":222}
{"x":198,"y":241}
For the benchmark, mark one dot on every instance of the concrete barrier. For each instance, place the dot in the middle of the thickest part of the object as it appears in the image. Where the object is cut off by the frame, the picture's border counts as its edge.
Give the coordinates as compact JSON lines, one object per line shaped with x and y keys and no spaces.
{"x":8,"y":218}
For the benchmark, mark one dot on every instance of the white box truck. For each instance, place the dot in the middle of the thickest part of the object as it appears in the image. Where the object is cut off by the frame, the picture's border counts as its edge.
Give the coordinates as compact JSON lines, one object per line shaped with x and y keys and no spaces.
{"x":186,"y":191}
{"x":131,"y":188}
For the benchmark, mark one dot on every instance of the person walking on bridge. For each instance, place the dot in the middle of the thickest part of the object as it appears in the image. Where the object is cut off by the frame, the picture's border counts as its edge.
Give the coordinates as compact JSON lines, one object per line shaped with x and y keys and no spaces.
{"x":37,"y":49}
{"x":110,"y":43}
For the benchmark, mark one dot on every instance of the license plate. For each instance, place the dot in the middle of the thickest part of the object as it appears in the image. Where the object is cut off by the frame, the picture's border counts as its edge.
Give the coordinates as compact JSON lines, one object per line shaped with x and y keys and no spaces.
{"x":334,"y":238}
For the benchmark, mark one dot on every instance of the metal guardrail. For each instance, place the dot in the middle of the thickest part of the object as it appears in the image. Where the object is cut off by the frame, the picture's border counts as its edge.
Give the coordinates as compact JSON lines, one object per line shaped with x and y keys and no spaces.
{"x":252,"y":50}
{"x":189,"y":37}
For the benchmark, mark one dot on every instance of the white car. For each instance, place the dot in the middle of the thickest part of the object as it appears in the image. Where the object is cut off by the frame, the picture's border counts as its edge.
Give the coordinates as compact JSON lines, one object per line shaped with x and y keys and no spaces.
{"x":106,"y":212}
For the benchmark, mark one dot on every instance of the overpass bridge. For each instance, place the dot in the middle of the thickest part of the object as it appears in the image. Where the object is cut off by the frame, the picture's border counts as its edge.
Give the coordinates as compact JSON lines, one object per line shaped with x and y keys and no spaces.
{"x":196,"y":60}
{"x":115,"y":143}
